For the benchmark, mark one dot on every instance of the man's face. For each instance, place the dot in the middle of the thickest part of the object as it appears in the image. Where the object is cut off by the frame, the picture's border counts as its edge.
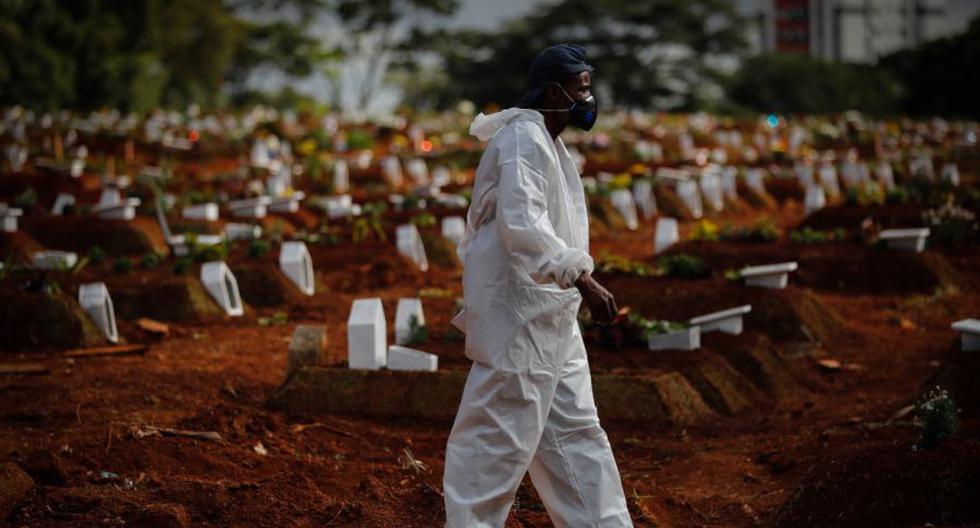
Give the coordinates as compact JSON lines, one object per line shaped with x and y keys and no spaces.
{"x":578,"y":87}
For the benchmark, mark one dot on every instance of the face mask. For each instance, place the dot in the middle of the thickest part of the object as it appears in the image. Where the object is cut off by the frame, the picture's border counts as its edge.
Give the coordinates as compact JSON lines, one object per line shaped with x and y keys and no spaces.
{"x":582,"y":114}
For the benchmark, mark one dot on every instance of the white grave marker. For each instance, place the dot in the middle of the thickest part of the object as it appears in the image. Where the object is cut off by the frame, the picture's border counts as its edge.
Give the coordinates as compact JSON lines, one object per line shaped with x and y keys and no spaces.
{"x":754,"y":180}
{"x":906,"y":239}
{"x":409,"y":243}
{"x":454,"y":228}
{"x":62,"y":201}
{"x":8,"y":218}
{"x":774,"y":276}
{"x":885,"y":175}
{"x":418,"y":170}
{"x":366,"y":335}
{"x":828,"y":178}
{"x":687,"y":191}
{"x":804,"y":173}
{"x":221,"y":284}
{"x":112,"y":206}
{"x":815,"y":199}
{"x":727,"y":321}
{"x":712,"y":191}
{"x":297,"y":265}
{"x":667,"y":234}
{"x":951,"y":173}
{"x":407,"y":309}
{"x":341,"y":176}
{"x":250,"y":207}
{"x":287,"y":203}
{"x":338,"y":206}
{"x":646,"y":203}
{"x":53,"y":260}
{"x":207,"y":212}
{"x":404,"y":358}
{"x":729,"y":183}
{"x":921,"y":167}
{"x":95,"y":300}
{"x":235,"y":231}
{"x":622,"y":201}
{"x":686,"y":339}
{"x":969,"y":330}
{"x":392,"y":170}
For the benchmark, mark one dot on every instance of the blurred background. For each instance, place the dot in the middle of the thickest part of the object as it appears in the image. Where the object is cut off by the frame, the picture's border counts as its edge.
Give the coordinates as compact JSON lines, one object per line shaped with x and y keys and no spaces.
{"x":881,"y":57}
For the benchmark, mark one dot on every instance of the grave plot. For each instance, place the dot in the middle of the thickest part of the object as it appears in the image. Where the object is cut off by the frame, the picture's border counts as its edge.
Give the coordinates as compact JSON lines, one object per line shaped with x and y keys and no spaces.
{"x":164,"y":296}
{"x":785,"y":189}
{"x":409,"y":243}
{"x":831,"y":266}
{"x":37,"y":321}
{"x":603,"y":216}
{"x":262,"y":283}
{"x":136,"y":237}
{"x":905,"y":239}
{"x":369,"y":266}
{"x":18,"y":247}
{"x":752,"y":186}
{"x":295,"y":262}
{"x":220,"y":283}
{"x":440,"y":250}
{"x":849,"y":217}
{"x":670,"y":204}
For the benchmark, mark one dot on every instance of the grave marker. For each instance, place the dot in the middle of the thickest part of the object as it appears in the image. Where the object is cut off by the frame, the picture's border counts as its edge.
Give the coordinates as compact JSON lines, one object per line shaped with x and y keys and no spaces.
{"x":95,"y":300}
{"x":207,"y":212}
{"x":646,"y":203}
{"x":711,"y":189}
{"x":815,"y":199}
{"x":687,"y":191}
{"x":905,"y":239}
{"x":8,"y":217}
{"x":235,"y":231}
{"x":221,"y":284}
{"x":804,"y":173}
{"x":729,"y":183}
{"x":286,"y":204}
{"x":969,"y":330}
{"x":392,"y":170}
{"x":404,"y":358}
{"x":418,"y":170}
{"x":366,"y":335}
{"x":454,"y":229}
{"x":686,"y":339}
{"x":409,"y":243}
{"x":250,"y":207}
{"x":53,"y":260}
{"x":341,"y":176}
{"x":307,"y":348}
{"x":728,"y":321}
{"x":754,"y":180}
{"x":885,"y":175}
{"x":622,"y":201}
{"x":296,"y":263}
{"x":921,"y":167}
{"x":408,"y":308}
{"x":951,"y":173}
{"x":774,"y":276}
{"x":62,"y":201}
{"x":112,"y":206}
{"x":828,"y":178}
{"x":667,"y":234}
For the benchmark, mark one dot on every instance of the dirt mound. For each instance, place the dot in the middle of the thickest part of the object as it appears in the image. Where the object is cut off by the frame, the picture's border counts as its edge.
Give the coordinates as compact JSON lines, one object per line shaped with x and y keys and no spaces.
{"x":18,"y":247}
{"x":370,"y":265}
{"x":262,"y":285}
{"x":440,"y":251}
{"x":136,"y":237}
{"x":887,"y":484}
{"x":168,"y":298}
{"x":785,"y":189}
{"x":850,"y":217}
{"x":33,"y":321}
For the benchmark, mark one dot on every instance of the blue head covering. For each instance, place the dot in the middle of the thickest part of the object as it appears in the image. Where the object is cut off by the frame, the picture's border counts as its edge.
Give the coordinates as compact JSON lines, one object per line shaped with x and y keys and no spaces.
{"x":553,"y":64}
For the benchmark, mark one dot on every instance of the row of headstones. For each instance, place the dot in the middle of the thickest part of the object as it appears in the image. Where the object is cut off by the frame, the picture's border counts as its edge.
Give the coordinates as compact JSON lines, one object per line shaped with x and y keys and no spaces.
{"x":367,"y":337}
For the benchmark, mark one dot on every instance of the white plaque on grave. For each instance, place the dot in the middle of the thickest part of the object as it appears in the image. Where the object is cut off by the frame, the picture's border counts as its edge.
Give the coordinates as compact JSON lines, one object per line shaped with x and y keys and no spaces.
{"x":392,"y":170}
{"x":685,"y":339}
{"x":367,"y":338}
{"x":727,"y":321}
{"x":207,"y":212}
{"x":297,"y":265}
{"x":969,"y":330}
{"x":249,"y":208}
{"x":689,"y":195}
{"x":407,"y":309}
{"x":286,"y":204}
{"x":905,"y":239}
{"x":53,"y":260}
{"x":62,"y":201}
{"x":729,"y":183}
{"x":951,"y":173}
{"x":622,"y":201}
{"x":921,"y":167}
{"x":404,"y":358}
{"x":221,"y":284}
{"x":95,"y":300}
{"x":711,"y":189}
{"x":815,"y":199}
{"x":667,"y":234}
{"x":883,"y":171}
{"x":646,"y":203}
{"x":8,"y":218}
{"x":409,"y":243}
{"x":418,"y":170}
{"x":754,"y":180}
{"x":828,"y":178}
{"x":341,"y":176}
{"x":454,"y":228}
{"x":774,"y":276}
{"x":804,"y":173}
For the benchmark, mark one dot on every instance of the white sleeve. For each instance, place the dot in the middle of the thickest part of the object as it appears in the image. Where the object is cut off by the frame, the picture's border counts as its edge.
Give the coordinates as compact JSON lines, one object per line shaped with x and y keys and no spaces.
{"x":526,"y":231}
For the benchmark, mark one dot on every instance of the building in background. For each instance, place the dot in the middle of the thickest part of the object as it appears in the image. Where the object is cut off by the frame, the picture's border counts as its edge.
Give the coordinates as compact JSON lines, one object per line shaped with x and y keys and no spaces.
{"x":848,"y":30}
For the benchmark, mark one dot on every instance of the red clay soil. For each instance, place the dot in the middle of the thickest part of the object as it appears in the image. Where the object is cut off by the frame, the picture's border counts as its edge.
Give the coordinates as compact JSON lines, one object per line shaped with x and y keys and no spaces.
{"x":81,"y":430}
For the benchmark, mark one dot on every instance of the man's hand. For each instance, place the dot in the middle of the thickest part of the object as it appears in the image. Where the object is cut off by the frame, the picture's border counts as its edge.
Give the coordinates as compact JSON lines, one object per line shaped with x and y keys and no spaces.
{"x":601,"y":303}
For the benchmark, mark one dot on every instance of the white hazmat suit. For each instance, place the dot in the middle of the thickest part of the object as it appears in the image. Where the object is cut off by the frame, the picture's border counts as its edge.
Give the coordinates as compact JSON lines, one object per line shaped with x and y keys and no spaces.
{"x":528,"y":403}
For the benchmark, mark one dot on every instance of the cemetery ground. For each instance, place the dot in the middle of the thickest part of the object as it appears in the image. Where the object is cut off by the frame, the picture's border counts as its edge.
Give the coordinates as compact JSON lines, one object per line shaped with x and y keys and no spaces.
{"x":803,"y":420}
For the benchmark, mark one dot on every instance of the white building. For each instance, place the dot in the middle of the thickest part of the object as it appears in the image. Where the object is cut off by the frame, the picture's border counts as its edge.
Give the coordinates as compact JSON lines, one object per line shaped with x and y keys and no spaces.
{"x":850,"y":30}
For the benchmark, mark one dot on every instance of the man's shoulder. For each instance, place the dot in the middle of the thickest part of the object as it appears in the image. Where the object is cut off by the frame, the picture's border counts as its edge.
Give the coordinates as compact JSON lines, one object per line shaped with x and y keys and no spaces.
{"x":520,"y":135}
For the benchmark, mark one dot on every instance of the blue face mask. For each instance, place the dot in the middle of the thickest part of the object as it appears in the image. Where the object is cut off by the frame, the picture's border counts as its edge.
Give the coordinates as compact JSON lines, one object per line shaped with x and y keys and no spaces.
{"x":582,"y":114}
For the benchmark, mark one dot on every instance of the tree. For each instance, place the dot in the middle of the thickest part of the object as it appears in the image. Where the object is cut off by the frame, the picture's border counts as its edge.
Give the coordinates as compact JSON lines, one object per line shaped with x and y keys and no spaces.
{"x":658,"y":53}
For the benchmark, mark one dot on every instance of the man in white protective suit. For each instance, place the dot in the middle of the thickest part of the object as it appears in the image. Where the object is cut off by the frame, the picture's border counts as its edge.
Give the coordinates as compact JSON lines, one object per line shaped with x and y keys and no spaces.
{"x":528,"y":404}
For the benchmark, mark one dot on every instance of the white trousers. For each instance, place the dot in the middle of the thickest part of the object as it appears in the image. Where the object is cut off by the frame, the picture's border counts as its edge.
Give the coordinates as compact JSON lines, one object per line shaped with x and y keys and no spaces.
{"x":510,"y":423}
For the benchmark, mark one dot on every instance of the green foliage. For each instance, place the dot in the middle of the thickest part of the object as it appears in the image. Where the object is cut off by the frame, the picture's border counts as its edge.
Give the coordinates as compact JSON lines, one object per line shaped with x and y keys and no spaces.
{"x":610,"y":263}
{"x":122,"y":265}
{"x":182,"y":265}
{"x":417,"y":333}
{"x":648,"y":327}
{"x":25,"y":200}
{"x":150,"y":261}
{"x":796,"y":83}
{"x":683,"y":266}
{"x":937,"y":418}
{"x":424,"y":220}
{"x":865,"y":195}
{"x":96,"y":255}
{"x":358,"y":139}
{"x":811,"y":236}
{"x":763,"y":230}
{"x":705,"y":231}
{"x":277,"y":318}
{"x":899,"y":195}
{"x":257,"y":248}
